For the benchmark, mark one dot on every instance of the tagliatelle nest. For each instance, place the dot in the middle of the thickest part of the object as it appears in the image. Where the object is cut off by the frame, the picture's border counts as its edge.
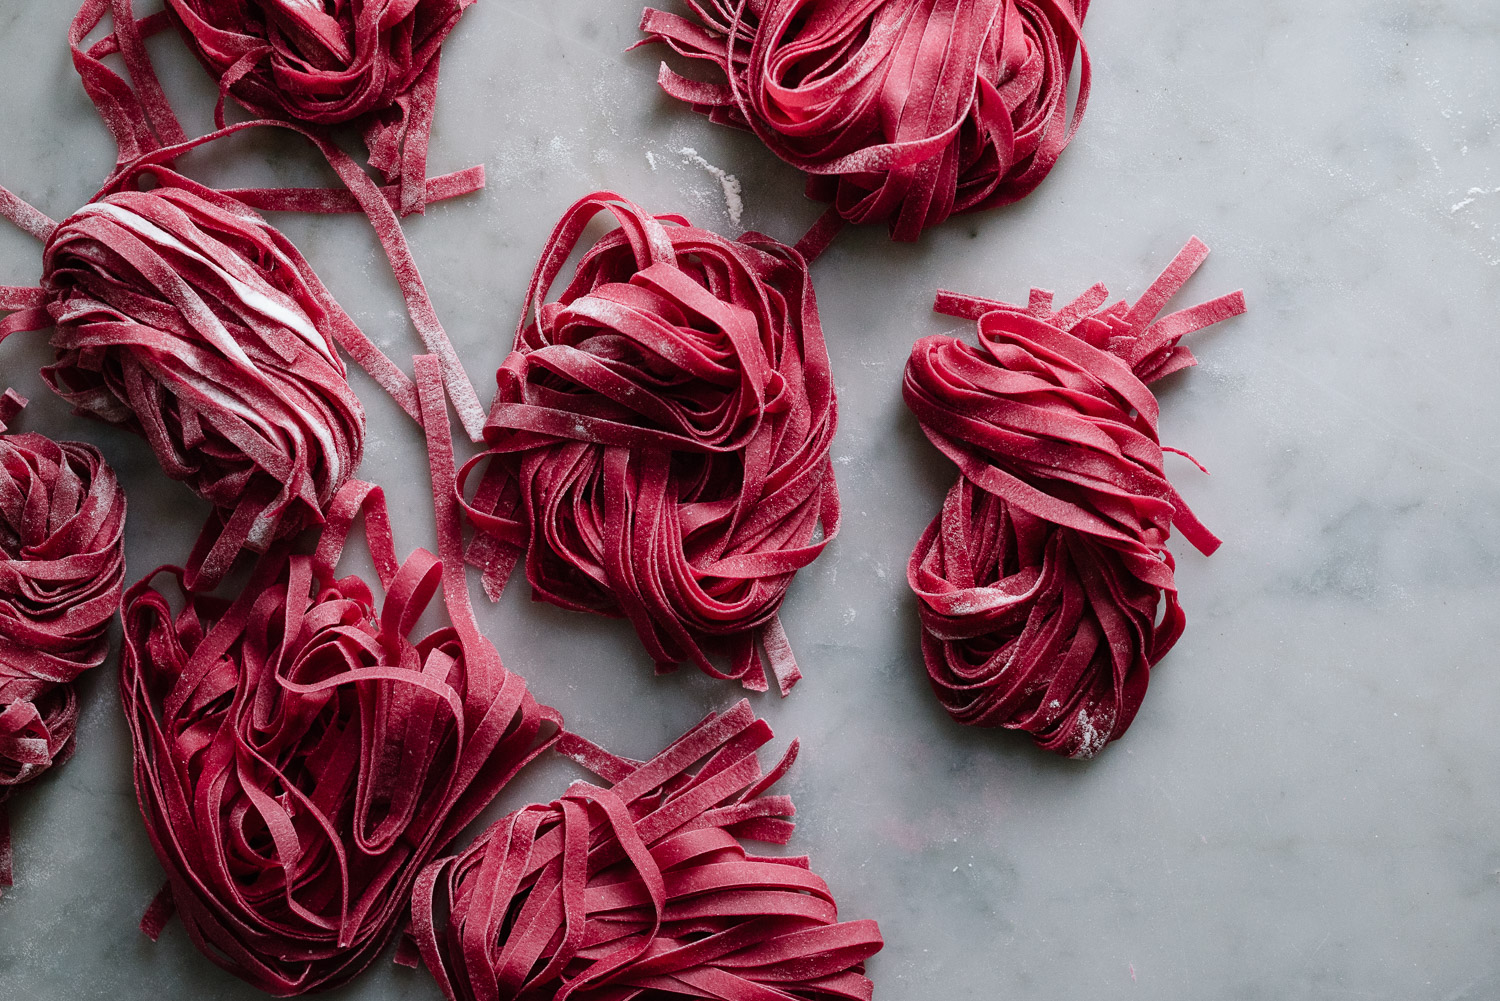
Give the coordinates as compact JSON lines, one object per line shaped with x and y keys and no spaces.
{"x":1046,"y":587}
{"x":62,"y":568}
{"x":899,"y":111}
{"x":644,"y":888}
{"x":298,"y":758}
{"x":660,"y":439}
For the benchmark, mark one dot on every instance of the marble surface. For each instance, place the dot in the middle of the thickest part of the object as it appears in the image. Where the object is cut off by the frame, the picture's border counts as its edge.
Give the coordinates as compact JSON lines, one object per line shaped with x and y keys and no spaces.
{"x":1306,"y":806}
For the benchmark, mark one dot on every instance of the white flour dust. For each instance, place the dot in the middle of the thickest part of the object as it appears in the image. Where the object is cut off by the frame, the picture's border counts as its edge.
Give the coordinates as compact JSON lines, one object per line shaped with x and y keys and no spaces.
{"x":1094,"y":738}
{"x":1474,"y":193}
{"x":734,"y":202}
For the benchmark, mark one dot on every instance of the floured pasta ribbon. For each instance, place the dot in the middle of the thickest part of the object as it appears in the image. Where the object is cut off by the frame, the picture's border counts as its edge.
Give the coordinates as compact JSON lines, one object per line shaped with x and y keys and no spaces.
{"x":180,"y":313}
{"x":298,"y":758}
{"x":644,"y":888}
{"x":1046,"y":587}
{"x":899,"y":111}
{"x":369,"y":63}
{"x":660,"y":439}
{"x":62,"y":567}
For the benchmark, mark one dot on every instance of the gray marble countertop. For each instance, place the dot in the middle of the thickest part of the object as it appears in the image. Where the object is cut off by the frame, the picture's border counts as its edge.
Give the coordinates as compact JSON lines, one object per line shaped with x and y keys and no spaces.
{"x":1307,"y":805}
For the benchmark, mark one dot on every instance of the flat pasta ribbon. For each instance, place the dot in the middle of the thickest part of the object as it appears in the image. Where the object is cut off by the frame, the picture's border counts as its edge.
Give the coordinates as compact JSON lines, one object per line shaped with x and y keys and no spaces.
{"x":659,"y":439}
{"x":1046,"y":587}
{"x":298,"y":759}
{"x":62,"y":568}
{"x":901,"y":111}
{"x":372,"y":63}
{"x":643,"y":888}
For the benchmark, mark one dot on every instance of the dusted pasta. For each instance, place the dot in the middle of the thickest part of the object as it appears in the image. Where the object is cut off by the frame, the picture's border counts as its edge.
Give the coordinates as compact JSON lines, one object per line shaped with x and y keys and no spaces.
{"x":298,"y":758}
{"x":62,"y":567}
{"x":186,"y":318}
{"x":1046,"y":587}
{"x":371,"y":63}
{"x":644,"y":888}
{"x":899,"y":111}
{"x":180,"y":313}
{"x":659,"y":439}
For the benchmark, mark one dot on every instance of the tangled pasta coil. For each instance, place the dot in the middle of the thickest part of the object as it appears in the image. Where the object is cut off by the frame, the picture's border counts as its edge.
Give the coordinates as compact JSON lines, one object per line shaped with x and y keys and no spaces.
{"x":660,"y":439}
{"x":180,"y":313}
{"x":1046,"y":589}
{"x":899,"y":111}
{"x":62,"y":568}
{"x":186,"y":318}
{"x":644,"y":888}
{"x":373,"y":63}
{"x":298,"y":758}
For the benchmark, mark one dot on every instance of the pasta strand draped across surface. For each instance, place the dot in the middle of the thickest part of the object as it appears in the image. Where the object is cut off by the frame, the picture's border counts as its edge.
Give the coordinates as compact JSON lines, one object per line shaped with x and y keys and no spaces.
{"x":644,"y":888}
{"x":298,"y":758}
{"x":1042,"y":579}
{"x":659,"y":439}
{"x":62,"y":568}
{"x":902,"y":111}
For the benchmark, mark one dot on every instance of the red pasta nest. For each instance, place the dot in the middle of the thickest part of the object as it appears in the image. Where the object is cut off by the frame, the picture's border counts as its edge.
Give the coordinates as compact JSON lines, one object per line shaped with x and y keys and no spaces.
{"x":1042,"y":579}
{"x":903,"y":111}
{"x":298,"y":759}
{"x":183,"y":316}
{"x":661,"y":433}
{"x":62,"y":566}
{"x":315,"y":64}
{"x":370,"y":62}
{"x":149,"y":138}
{"x":644,"y":888}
